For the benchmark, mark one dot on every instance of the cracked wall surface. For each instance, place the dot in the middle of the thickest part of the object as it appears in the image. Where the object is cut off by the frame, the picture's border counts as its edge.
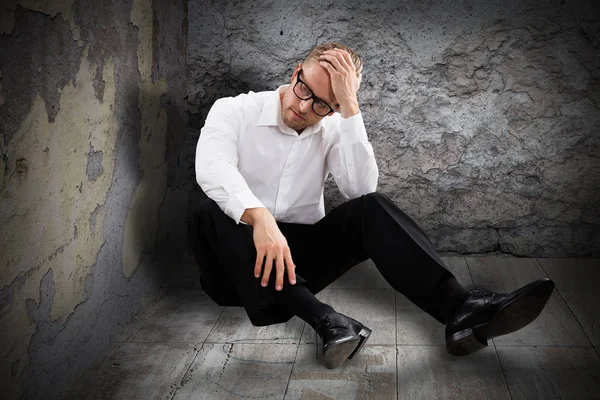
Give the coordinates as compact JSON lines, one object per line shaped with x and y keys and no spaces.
{"x":89,"y":177}
{"x":484,"y":116}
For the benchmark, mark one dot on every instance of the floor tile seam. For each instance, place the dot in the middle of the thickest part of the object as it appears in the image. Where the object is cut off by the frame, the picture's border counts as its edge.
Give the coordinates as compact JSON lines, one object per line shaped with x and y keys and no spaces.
{"x":541,"y":267}
{"x":215,"y":324}
{"x":180,"y":383}
{"x":574,"y":316}
{"x":502,"y":369}
{"x":294,"y":363}
{"x":469,"y":271}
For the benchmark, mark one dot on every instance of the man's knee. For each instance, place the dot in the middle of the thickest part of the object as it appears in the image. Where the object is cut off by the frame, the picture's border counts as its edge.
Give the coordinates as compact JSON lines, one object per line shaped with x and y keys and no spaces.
{"x":375,"y":198}
{"x":207,"y":206}
{"x":209,"y":219}
{"x":376,"y":201}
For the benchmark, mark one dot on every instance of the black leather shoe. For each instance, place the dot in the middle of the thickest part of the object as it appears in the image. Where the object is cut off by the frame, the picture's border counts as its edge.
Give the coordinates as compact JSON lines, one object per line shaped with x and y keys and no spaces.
{"x":486,"y":314}
{"x":342,"y":338}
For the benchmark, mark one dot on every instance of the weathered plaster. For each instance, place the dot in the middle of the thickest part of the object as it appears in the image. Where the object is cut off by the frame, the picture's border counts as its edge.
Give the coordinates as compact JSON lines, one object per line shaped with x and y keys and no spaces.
{"x":48,"y":200}
{"x":83,"y":173}
{"x":1,"y":95}
{"x":38,"y":57}
{"x":2,"y":163}
{"x":142,"y":218}
{"x":51,"y":8}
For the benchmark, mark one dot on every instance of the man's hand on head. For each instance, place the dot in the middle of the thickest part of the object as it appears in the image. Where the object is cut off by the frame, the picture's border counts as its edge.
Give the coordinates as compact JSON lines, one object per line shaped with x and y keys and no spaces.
{"x":344,"y":81}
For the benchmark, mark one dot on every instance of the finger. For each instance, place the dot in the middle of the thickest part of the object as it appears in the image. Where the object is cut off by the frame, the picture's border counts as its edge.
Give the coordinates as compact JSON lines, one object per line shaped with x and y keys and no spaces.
{"x":333,"y":60}
{"x":351,"y":66}
{"x":291,"y":268}
{"x":260,"y":257}
{"x":344,"y":58}
{"x":279,"y":273}
{"x":267,"y":270}
{"x":328,"y":67}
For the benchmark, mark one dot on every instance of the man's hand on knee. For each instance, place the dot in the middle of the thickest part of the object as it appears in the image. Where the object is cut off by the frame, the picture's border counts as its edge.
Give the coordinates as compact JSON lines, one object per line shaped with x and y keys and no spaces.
{"x":271,"y":247}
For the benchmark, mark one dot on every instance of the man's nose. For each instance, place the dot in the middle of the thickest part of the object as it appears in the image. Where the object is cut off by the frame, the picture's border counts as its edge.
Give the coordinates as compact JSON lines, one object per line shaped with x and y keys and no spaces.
{"x":305,"y":106}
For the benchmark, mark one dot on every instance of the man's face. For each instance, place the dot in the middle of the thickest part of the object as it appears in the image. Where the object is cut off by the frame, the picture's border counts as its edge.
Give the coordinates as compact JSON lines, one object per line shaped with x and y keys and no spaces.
{"x":298,"y":114}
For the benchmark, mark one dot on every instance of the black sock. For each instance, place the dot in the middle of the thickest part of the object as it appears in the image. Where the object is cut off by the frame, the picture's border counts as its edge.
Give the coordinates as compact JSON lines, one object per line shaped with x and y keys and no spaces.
{"x":300,"y":301}
{"x":449,"y":295}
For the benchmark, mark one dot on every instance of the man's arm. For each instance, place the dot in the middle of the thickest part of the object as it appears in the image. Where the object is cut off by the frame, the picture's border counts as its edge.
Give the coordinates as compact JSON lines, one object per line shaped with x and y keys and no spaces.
{"x":219,"y":178}
{"x":216,"y":162}
{"x":351,"y":159}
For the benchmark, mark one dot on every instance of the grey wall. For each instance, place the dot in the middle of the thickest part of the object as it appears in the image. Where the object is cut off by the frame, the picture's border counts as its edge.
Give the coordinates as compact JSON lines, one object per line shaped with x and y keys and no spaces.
{"x":93,"y":215}
{"x":484,"y":115}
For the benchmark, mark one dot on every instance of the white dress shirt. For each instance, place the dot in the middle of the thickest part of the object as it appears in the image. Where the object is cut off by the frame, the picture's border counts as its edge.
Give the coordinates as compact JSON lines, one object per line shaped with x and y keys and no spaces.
{"x":246,"y":157}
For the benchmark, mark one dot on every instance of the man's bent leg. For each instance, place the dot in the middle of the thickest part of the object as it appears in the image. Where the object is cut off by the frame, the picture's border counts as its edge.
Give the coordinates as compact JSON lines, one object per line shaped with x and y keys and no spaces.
{"x":224,"y":250}
{"x":372,"y":226}
{"x":228,"y":255}
{"x":393,"y":240}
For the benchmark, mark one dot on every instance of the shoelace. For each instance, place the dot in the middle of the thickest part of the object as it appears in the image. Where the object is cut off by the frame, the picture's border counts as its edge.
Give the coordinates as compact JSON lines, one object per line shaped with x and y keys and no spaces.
{"x":328,"y":324}
{"x":485,"y":292}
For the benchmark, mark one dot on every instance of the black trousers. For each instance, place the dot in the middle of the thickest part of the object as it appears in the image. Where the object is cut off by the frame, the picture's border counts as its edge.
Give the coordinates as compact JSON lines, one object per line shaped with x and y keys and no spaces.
{"x":370,"y":226}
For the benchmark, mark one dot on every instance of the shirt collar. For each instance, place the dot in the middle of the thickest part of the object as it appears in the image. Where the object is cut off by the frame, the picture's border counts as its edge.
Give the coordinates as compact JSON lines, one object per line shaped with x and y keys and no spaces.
{"x":271,"y":115}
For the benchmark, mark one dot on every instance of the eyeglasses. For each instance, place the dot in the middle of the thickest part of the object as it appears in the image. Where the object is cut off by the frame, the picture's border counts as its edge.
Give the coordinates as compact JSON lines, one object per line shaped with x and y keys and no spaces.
{"x":304,"y":93}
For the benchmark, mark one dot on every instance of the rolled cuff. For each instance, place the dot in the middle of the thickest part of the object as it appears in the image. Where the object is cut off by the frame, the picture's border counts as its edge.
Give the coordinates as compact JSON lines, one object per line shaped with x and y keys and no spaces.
{"x":238,"y":203}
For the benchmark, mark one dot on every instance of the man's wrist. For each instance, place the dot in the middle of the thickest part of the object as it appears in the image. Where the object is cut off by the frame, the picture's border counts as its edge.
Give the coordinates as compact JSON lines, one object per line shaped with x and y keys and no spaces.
{"x":253,"y":215}
{"x":349,"y":110}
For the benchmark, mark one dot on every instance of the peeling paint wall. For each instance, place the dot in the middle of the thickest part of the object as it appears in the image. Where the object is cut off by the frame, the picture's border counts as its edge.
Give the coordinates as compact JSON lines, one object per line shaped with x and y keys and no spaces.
{"x":484,"y":115}
{"x":89,"y":178}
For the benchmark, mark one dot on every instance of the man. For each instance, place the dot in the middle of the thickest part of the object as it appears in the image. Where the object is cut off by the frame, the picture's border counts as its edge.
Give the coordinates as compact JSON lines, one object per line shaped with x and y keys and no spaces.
{"x":262,"y":239}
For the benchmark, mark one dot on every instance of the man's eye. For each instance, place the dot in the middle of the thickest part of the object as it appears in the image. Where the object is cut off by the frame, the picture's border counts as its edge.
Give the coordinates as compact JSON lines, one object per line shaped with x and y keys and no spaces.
{"x":304,"y":88}
{"x":321,"y":104}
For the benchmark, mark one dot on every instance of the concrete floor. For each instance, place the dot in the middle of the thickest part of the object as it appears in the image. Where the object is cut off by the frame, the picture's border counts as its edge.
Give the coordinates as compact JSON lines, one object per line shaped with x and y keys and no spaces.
{"x":183,"y":346}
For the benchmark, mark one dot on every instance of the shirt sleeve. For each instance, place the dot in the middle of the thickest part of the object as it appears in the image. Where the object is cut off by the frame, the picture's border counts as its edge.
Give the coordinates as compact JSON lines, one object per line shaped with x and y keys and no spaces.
{"x":351,"y":159}
{"x":216,"y":161}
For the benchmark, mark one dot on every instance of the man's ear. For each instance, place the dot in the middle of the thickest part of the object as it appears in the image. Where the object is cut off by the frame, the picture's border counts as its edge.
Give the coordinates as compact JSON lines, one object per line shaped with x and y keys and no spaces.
{"x":295,"y":73}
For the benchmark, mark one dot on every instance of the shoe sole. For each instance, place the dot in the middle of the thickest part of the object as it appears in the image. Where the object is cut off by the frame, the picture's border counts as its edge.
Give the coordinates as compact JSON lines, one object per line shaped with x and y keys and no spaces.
{"x":513,"y":316}
{"x":337,"y":353}
{"x":364,"y":335}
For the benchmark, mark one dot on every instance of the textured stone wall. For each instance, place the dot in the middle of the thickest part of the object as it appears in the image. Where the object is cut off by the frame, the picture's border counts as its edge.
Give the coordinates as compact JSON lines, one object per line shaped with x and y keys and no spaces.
{"x":92,"y":117}
{"x":484,"y":115}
